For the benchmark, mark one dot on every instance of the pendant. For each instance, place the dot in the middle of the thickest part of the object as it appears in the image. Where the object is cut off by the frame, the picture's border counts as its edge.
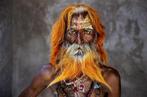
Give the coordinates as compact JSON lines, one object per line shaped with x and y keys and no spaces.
{"x":79,"y":87}
{"x":82,"y":87}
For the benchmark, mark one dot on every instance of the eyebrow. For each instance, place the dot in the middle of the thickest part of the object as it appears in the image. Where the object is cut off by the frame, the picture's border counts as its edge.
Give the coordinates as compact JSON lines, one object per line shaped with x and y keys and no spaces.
{"x":83,"y":13}
{"x":73,"y":29}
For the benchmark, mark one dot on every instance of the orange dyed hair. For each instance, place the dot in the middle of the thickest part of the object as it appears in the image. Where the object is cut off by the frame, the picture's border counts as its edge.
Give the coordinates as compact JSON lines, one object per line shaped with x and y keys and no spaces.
{"x":58,"y":30}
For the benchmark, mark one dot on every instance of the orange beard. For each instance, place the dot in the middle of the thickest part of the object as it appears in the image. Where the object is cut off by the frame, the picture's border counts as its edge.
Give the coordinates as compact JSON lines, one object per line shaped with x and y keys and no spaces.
{"x":71,"y":67}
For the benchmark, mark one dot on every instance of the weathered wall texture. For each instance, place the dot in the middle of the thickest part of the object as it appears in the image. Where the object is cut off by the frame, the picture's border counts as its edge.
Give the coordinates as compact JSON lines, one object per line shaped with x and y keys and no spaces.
{"x":5,"y":49}
{"x":126,"y":27}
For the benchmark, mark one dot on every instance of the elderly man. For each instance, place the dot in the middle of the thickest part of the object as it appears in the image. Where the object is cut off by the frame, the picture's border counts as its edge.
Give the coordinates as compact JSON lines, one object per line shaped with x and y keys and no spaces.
{"x":78,"y":60}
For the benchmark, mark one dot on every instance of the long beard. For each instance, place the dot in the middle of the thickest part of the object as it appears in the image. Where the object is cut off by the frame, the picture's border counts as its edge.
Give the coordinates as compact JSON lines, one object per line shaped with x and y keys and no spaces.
{"x":76,"y":60}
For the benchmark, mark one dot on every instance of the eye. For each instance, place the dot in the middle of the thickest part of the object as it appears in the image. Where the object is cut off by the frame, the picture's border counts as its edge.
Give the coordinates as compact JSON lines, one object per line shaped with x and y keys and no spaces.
{"x":88,"y":31}
{"x":71,"y":32}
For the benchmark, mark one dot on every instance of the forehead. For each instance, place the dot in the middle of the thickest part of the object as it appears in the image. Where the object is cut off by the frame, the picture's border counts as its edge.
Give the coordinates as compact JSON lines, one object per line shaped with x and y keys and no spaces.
{"x":80,"y":19}
{"x":79,"y":10}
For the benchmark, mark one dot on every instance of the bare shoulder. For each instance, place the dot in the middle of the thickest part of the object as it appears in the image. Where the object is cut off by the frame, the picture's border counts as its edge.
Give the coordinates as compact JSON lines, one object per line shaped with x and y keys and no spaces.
{"x":46,"y":72}
{"x":111,"y":75}
{"x":39,"y":82}
{"x":44,"y":76}
{"x":110,"y":72}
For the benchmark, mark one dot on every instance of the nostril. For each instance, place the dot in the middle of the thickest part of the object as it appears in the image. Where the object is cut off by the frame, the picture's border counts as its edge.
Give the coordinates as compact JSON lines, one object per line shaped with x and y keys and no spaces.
{"x":79,"y":48}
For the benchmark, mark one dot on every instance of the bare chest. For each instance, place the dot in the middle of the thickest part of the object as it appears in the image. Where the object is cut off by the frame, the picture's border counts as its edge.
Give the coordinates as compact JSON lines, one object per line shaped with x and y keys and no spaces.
{"x":83,"y":87}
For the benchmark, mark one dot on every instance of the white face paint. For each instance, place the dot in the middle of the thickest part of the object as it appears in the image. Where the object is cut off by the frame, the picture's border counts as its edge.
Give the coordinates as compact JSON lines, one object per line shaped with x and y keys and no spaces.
{"x":80,"y":22}
{"x":79,"y":9}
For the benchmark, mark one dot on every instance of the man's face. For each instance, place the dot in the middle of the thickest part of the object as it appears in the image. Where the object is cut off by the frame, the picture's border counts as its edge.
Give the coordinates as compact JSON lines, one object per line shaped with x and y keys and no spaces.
{"x":80,"y":35}
{"x":81,"y":30}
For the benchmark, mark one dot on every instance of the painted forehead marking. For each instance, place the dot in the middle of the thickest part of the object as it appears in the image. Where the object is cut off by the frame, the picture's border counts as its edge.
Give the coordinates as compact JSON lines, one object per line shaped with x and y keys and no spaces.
{"x":79,"y":9}
{"x":81,"y":23}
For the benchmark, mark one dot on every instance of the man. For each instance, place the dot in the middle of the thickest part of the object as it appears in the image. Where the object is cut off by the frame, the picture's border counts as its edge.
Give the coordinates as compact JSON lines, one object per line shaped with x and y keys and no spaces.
{"x":78,"y":60}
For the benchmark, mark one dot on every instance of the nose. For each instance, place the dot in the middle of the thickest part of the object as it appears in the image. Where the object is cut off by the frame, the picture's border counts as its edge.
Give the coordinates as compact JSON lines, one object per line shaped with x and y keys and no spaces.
{"x":79,"y":40}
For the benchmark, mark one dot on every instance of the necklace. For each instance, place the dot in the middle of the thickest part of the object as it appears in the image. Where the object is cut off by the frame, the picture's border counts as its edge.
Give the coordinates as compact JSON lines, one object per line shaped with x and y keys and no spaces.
{"x":77,"y":85}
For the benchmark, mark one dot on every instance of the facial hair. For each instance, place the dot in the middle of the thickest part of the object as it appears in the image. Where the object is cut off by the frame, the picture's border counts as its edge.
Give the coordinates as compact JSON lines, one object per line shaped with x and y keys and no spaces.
{"x":76,"y":60}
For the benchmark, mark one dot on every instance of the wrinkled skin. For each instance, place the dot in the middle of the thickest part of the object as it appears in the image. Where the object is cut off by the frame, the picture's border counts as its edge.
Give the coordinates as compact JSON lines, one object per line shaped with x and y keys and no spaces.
{"x":79,"y":33}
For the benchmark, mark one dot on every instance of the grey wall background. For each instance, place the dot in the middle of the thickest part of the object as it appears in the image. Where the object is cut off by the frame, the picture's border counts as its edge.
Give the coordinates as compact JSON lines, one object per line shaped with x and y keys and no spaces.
{"x":5,"y":48}
{"x":26,"y":24}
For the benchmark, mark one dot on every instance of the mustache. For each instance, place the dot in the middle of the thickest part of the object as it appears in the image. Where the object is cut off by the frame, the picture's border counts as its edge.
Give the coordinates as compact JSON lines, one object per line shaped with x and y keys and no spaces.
{"x":78,"y":50}
{"x":75,"y":49}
